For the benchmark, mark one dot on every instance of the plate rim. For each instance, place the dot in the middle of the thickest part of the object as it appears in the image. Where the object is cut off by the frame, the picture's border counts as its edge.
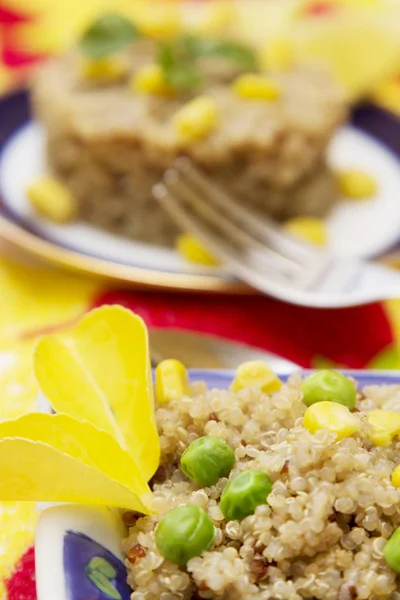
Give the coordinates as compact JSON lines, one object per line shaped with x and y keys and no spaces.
{"x":145,"y":278}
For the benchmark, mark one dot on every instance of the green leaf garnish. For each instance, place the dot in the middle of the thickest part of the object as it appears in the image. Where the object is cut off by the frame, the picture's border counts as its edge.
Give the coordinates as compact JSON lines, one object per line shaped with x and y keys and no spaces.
{"x":110,"y":33}
{"x":178,"y":65}
{"x":238,"y":54}
{"x":179,"y":58}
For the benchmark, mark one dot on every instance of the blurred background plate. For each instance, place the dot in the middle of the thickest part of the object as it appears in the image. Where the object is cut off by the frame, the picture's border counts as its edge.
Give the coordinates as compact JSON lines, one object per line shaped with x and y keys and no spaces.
{"x":366,"y":229}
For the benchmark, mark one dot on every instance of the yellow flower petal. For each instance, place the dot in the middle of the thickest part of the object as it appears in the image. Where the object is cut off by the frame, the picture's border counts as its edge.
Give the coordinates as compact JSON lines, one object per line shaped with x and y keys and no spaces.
{"x":101,"y":373}
{"x":18,"y":387}
{"x":81,"y":441}
{"x":33,"y":471}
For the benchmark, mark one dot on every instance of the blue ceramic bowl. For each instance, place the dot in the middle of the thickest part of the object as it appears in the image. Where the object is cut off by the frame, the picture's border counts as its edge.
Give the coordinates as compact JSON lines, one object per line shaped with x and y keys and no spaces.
{"x":78,"y":548}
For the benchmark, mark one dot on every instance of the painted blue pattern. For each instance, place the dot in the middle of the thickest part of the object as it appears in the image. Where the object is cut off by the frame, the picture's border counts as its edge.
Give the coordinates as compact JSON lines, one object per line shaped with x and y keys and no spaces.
{"x":91,"y":571}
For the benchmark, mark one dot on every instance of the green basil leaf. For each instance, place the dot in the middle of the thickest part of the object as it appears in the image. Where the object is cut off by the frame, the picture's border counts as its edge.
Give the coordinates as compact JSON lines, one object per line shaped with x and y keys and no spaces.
{"x":179,"y":58}
{"x":110,"y":33}
{"x":239,"y":54}
{"x":236,"y":52}
{"x":178,"y":67}
{"x":184,"y":78}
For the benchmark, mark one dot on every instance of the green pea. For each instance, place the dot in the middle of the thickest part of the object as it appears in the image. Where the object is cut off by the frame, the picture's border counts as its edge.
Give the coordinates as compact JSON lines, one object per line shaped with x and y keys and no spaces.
{"x":183,"y":533}
{"x":328,"y":385}
{"x":391,"y":551}
{"x":244,"y":493}
{"x":206,"y":460}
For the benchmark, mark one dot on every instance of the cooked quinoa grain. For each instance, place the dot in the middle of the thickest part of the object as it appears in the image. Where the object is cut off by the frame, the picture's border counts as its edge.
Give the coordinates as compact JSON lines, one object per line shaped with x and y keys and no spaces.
{"x":323,"y":529}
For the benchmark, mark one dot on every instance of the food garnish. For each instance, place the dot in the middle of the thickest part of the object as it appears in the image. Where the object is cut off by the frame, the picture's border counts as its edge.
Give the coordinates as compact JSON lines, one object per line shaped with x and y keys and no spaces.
{"x":108,"y":34}
{"x":102,"y":447}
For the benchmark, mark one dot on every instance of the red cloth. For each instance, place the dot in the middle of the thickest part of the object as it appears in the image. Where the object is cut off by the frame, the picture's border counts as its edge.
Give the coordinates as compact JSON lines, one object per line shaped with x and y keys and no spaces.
{"x":21,"y":586}
{"x":350,"y":336}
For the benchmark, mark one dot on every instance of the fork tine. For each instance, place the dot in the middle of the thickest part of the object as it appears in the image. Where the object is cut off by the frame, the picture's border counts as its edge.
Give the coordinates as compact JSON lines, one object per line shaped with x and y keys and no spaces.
{"x":186,"y":221}
{"x":217,"y":244}
{"x":260,"y":226}
{"x":256,"y":251}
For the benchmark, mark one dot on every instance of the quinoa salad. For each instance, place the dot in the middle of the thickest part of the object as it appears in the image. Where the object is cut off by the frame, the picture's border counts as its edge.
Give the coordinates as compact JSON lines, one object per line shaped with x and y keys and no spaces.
{"x":271,"y":490}
{"x":119,"y":109}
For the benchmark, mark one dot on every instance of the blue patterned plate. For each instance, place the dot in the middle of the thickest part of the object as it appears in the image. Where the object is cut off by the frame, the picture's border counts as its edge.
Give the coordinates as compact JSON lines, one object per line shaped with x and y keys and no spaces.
{"x":78,"y":548}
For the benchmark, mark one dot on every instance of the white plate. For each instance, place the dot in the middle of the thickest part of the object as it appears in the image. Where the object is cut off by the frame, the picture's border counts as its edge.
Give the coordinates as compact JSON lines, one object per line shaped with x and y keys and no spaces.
{"x":355,"y":229}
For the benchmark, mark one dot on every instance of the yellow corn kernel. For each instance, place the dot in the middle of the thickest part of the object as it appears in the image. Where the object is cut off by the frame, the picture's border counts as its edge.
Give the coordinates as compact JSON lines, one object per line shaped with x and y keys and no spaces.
{"x":384,"y":425}
{"x":107,"y":69}
{"x":256,"y":87}
{"x":256,"y":373}
{"x":172,"y":381}
{"x":356,"y":184}
{"x":150,"y":80}
{"x":332,"y":416}
{"x":190,"y":248}
{"x":278,"y":55}
{"x":196,"y":119}
{"x":52,"y":200}
{"x":396,"y":477}
{"x":310,"y":229}
{"x":159,"y":20}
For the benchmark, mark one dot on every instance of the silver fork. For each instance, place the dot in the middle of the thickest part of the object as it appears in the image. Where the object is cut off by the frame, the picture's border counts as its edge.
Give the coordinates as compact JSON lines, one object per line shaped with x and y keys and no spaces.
{"x":256,"y":250}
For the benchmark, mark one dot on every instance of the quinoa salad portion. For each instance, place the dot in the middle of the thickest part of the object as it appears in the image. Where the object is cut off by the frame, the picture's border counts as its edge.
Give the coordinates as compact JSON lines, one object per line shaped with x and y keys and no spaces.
{"x":271,"y":490}
{"x":119,"y":108}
